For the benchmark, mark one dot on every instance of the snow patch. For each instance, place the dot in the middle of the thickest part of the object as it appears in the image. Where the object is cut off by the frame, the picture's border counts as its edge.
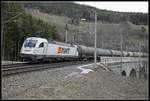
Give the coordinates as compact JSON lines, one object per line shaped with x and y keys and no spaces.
{"x":84,"y":70}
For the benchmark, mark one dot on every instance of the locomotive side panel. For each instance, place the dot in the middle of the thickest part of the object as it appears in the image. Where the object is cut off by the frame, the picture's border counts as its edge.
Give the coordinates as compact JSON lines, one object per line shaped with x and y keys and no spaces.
{"x":59,"y":50}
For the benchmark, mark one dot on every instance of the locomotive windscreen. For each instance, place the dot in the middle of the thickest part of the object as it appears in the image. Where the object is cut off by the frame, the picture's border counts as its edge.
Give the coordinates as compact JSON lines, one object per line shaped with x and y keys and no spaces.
{"x":30,"y":43}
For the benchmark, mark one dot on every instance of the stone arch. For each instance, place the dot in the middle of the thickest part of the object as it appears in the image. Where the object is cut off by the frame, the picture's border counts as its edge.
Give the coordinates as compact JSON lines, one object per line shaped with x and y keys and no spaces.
{"x":142,"y":72}
{"x":133,"y":73}
{"x":123,"y":73}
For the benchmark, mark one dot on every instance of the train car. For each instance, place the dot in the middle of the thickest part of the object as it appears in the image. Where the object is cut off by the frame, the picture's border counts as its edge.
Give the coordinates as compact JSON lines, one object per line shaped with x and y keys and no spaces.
{"x":103,"y":52}
{"x":140,"y":54}
{"x":125,"y":53}
{"x":85,"y":52}
{"x":135,"y":54}
{"x":145,"y":54}
{"x":115,"y":53}
{"x":35,"y":48}
{"x":91,"y":51}
{"x":131,"y":54}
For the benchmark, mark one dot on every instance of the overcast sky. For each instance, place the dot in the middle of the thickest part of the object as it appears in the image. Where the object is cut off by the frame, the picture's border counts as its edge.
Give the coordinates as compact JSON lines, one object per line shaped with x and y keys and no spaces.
{"x":119,"y":6}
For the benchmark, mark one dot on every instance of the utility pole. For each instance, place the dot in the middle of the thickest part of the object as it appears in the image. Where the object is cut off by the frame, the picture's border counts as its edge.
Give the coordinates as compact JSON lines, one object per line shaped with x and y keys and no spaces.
{"x":66,"y":34}
{"x":102,"y":38}
{"x":2,"y":43}
{"x":95,"y":57}
{"x":138,"y":69}
{"x":139,"y":51}
{"x":102,"y":42}
{"x":78,"y":32}
{"x":73,"y":37}
{"x":121,"y":52}
{"x":66,"y":28}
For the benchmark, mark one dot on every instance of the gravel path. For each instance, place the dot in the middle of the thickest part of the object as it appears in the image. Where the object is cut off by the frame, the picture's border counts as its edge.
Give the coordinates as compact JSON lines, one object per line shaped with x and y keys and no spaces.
{"x":68,"y":83}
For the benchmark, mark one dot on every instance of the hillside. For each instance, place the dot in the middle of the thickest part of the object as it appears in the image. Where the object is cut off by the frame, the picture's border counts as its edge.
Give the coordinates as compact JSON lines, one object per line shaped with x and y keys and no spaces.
{"x":76,"y":11}
{"x":109,"y":33}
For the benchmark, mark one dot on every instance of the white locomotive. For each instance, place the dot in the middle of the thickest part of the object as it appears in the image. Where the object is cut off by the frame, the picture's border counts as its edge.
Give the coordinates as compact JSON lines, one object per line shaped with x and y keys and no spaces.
{"x":41,"y":49}
{"x":35,"y":48}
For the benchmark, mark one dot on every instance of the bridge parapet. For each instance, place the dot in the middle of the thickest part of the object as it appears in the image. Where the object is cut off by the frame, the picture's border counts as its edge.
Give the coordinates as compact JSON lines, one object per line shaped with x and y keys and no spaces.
{"x":131,"y":66}
{"x":106,"y":60}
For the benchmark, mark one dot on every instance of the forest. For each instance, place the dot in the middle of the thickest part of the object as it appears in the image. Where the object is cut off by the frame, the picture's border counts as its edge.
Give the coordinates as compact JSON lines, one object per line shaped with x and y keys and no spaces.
{"x":16,"y":26}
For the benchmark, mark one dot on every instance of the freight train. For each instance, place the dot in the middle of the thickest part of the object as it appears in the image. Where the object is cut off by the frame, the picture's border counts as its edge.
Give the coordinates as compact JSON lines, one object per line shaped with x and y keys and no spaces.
{"x":41,"y":49}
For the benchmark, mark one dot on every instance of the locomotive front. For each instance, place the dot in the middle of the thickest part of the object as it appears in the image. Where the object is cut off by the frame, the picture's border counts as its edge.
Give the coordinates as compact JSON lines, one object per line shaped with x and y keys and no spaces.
{"x":33,"y":48}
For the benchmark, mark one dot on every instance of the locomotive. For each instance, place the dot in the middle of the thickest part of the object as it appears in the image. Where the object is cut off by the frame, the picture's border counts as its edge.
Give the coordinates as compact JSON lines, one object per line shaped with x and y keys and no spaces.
{"x":41,"y":49}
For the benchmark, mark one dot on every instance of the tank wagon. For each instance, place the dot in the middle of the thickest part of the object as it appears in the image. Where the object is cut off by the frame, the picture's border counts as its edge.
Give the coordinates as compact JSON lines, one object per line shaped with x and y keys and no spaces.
{"x":41,"y":49}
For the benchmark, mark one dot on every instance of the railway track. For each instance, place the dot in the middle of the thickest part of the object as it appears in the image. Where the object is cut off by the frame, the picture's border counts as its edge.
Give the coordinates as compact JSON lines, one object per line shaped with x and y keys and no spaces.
{"x":21,"y":68}
{"x":15,"y":65}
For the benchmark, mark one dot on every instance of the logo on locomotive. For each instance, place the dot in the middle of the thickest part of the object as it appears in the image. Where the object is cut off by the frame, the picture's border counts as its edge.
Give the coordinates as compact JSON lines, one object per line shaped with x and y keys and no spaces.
{"x":61,"y":50}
